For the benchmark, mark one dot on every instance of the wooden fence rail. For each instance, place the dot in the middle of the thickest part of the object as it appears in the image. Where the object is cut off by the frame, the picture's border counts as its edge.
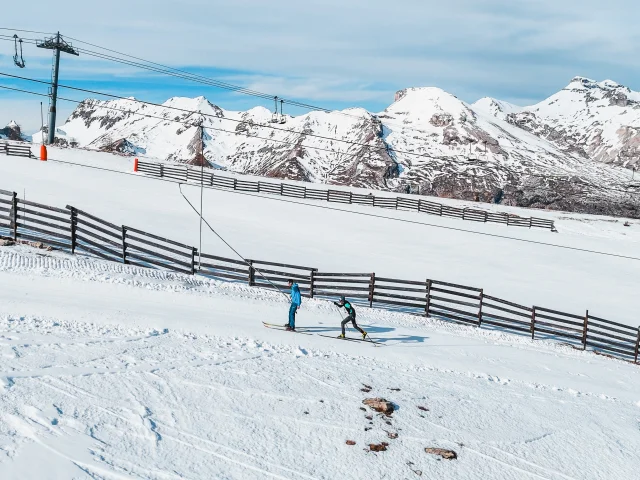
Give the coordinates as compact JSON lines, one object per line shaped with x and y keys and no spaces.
{"x":74,"y":230}
{"x":183,"y":173}
{"x":16,"y":149}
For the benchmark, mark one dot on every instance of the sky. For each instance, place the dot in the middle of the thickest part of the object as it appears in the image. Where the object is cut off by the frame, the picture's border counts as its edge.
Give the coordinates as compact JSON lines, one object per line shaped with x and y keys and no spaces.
{"x":330,"y":53}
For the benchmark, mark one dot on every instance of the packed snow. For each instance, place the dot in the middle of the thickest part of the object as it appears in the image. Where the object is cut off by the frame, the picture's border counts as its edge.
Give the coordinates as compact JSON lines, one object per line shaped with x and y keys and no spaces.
{"x":114,"y":372}
{"x":404,"y":245}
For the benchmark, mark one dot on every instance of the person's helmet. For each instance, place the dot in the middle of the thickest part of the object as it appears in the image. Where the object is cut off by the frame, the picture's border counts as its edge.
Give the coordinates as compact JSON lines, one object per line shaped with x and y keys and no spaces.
{"x":342,"y":299}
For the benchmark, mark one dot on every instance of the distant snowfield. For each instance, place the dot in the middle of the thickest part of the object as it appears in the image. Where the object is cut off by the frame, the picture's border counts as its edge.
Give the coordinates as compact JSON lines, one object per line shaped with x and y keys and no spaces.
{"x":276,"y":229}
{"x":114,"y":372}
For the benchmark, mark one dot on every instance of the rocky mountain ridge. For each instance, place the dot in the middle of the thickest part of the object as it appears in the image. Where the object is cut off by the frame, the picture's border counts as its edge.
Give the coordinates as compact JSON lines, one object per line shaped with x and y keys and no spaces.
{"x":573,"y":151}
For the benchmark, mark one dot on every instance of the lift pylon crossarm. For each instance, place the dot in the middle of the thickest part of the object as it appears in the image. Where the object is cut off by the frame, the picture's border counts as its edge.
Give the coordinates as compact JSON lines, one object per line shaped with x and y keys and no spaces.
{"x":57,"y":43}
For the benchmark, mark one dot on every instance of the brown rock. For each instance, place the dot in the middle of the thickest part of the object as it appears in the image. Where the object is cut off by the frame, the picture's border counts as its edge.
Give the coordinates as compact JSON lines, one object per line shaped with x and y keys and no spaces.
{"x":392,"y":435}
{"x":351,"y":442}
{"x":378,"y":447}
{"x":446,"y":454}
{"x":379,"y":405}
{"x":424,"y":409}
{"x":6,"y":242}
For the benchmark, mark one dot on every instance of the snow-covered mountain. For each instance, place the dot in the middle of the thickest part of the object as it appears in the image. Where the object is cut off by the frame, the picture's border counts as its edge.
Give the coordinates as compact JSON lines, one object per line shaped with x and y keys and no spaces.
{"x":556,"y":154}
{"x":497,"y":108}
{"x":597,"y":120}
{"x":12,"y":132}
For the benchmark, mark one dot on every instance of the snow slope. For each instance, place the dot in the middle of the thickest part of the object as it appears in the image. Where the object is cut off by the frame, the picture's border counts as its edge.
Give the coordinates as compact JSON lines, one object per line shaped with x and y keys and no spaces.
{"x":398,"y":244}
{"x":115,"y":372}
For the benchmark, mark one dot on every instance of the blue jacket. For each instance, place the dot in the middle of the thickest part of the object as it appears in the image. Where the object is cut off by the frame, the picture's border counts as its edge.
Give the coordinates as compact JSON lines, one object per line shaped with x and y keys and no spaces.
{"x":296,"y":299}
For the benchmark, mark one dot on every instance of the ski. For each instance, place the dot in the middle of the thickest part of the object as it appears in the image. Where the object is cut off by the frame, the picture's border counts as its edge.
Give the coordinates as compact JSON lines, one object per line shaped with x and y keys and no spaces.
{"x":284,"y":329}
{"x":353,"y":339}
{"x":300,"y":331}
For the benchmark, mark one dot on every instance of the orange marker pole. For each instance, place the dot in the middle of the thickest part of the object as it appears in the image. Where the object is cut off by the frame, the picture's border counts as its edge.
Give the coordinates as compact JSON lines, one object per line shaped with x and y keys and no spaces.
{"x":135,"y":165}
{"x":43,"y":153}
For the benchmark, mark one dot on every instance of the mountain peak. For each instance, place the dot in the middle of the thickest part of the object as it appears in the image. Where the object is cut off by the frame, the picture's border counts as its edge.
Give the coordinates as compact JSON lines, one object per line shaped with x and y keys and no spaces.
{"x":494,"y":107}
{"x":584,"y":83}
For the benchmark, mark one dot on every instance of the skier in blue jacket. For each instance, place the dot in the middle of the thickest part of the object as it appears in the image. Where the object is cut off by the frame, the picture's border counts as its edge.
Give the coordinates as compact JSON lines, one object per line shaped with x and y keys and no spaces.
{"x":296,"y":300}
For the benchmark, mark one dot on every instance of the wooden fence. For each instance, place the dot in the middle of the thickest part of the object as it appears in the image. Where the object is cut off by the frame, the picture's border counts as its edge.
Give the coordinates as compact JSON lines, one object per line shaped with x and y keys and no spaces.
{"x":183,"y":173}
{"x":74,"y":230}
{"x":16,"y":150}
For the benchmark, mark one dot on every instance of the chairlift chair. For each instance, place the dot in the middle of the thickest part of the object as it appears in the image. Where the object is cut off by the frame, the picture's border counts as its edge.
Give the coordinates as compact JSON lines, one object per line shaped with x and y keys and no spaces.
{"x":274,"y":115}
{"x":18,"y":59}
{"x":282,"y":117}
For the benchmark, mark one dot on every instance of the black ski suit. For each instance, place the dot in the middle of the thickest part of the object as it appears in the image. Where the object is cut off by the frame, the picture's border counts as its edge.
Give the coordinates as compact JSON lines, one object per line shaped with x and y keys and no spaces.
{"x":351,"y":317}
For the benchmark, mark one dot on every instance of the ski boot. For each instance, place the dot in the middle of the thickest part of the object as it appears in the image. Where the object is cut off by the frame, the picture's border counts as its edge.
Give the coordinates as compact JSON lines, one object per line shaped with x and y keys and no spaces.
{"x":290,"y":329}
{"x":341,"y":336}
{"x":364,"y":335}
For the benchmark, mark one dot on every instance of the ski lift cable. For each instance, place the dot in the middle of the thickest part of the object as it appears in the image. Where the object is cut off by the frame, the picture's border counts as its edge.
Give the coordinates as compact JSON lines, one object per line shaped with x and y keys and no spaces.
{"x":360,"y":213}
{"x":228,"y":244}
{"x":26,"y":31}
{"x":201,"y":78}
{"x":366,"y":214}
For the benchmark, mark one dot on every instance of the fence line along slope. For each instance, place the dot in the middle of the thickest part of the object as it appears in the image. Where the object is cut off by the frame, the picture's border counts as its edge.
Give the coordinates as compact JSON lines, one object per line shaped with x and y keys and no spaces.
{"x":76,"y":230}
{"x":184,"y":173}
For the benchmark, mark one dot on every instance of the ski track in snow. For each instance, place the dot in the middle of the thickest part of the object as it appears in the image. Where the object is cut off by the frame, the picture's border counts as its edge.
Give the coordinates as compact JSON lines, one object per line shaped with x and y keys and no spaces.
{"x":125,"y":400}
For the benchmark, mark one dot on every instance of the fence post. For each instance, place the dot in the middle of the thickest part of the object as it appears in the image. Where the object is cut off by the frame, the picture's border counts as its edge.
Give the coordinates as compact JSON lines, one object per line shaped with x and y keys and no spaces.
{"x":397,"y":199}
{"x":194,"y":251}
{"x":508,"y":219}
{"x":533,"y":322}
{"x":637,"y":347}
{"x":74,"y":225}
{"x":305,"y":193}
{"x":463,"y":212}
{"x":124,"y":244}
{"x":440,"y":213}
{"x":14,"y":216}
{"x":350,"y":197}
{"x":281,"y":189}
{"x":312,"y":282}
{"x":235,"y":183}
{"x":485,"y":217}
{"x":328,"y":195}
{"x":372,"y":286}
{"x":480,"y":309}
{"x":426,"y":308}
{"x":530,"y":222}
{"x":161,"y":170}
{"x":252,"y":273}
{"x":584,"y":330}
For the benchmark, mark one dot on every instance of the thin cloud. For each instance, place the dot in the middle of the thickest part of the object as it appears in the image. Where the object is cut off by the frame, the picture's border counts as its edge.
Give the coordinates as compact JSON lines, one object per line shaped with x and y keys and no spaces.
{"x":339,"y":53}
